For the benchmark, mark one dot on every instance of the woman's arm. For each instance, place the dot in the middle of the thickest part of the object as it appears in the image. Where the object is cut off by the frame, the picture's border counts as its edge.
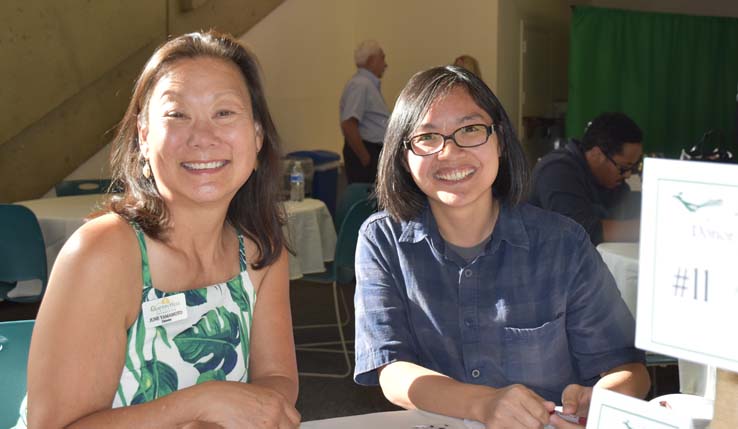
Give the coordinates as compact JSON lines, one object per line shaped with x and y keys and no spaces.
{"x":273,"y":364}
{"x":79,"y":345}
{"x":79,"y":340}
{"x":631,"y":379}
{"x":414,"y":387}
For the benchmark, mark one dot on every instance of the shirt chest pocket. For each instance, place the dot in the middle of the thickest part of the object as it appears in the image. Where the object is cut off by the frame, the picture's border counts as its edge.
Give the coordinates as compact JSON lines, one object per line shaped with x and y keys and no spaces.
{"x":539,"y":356}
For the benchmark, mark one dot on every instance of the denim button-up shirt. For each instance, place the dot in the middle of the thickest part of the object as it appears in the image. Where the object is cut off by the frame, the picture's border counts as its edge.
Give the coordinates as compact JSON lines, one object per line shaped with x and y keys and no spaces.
{"x":537,"y":307}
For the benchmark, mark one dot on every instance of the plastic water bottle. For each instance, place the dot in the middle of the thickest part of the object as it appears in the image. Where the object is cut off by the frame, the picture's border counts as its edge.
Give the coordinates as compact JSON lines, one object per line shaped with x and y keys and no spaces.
{"x":297,"y":182}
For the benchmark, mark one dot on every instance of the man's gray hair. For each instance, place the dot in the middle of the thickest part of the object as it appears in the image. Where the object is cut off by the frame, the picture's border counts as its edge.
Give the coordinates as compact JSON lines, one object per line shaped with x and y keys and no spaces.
{"x":364,"y":50}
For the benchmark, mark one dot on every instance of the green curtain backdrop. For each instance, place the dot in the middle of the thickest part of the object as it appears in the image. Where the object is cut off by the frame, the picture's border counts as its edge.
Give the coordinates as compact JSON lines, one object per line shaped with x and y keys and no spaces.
{"x":675,"y":75}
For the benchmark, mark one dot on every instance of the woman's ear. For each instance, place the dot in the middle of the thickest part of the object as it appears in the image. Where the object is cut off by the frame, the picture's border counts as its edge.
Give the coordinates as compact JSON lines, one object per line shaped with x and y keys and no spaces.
{"x":143,"y":133}
{"x":259,"y":135}
{"x":403,"y":161}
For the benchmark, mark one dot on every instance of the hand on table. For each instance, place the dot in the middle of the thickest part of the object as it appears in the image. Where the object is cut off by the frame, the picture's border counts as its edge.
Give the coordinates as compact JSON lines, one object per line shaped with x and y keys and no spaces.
{"x":575,"y":401}
{"x":515,"y":406}
{"x":235,"y":405}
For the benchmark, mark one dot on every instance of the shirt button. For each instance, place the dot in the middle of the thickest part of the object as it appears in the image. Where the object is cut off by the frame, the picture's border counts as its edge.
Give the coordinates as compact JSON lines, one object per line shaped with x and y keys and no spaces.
{"x":475,"y":373}
{"x":468,"y":273}
{"x":468,"y":323}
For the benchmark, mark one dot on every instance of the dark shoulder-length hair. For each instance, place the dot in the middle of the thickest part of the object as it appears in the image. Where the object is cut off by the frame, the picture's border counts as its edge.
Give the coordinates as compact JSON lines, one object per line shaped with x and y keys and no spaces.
{"x":396,"y":191}
{"x":255,"y":210}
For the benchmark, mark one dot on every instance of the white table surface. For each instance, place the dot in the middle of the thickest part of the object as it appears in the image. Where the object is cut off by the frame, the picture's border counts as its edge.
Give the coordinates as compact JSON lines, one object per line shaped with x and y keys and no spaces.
{"x":311,"y":234}
{"x":389,"y":420}
{"x":309,"y":228}
{"x":59,"y":217}
{"x":622,"y":260}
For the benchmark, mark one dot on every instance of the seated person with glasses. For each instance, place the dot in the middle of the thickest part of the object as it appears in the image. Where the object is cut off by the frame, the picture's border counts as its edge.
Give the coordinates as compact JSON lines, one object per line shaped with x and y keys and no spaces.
{"x":586,"y":180}
{"x":470,"y":303}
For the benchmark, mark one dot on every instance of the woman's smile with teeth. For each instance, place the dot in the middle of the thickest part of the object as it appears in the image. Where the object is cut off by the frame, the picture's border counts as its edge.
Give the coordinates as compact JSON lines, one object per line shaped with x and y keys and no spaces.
{"x":455,"y":175}
{"x":203,"y":165}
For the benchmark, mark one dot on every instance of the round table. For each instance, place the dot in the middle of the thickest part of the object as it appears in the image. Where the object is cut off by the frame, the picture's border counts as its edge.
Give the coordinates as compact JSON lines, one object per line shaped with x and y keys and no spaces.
{"x":309,"y":228}
{"x":622,"y":260}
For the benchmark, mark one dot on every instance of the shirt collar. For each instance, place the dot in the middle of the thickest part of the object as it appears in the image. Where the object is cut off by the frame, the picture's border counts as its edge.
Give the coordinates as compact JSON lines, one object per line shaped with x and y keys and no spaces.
{"x":509,"y":228}
{"x":371,"y":76}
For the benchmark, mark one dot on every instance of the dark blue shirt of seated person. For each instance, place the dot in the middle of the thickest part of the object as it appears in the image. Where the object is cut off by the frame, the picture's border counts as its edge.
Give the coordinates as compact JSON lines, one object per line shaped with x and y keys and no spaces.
{"x":564,"y":183}
{"x":537,"y":307}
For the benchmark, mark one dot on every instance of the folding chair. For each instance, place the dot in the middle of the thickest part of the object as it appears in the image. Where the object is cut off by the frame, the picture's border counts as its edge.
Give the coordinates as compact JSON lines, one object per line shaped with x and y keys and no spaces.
{"x":22,"y":250}
{"x":340,"y":271}
{"x":15,"y":338}
{"x":353,"y":193}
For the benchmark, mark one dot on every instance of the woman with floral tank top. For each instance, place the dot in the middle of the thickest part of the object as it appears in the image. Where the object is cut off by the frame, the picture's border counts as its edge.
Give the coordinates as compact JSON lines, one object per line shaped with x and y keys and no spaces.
{"x":171,"y":308}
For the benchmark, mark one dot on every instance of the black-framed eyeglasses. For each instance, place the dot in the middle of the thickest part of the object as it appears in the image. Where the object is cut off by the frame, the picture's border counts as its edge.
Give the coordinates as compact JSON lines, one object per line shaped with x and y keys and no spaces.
{"x":467,"y":136}
{"x":633,"y":169}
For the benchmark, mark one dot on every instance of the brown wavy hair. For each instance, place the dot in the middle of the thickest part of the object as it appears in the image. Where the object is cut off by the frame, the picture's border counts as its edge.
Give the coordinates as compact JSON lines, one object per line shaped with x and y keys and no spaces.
{"x":255,"y":210}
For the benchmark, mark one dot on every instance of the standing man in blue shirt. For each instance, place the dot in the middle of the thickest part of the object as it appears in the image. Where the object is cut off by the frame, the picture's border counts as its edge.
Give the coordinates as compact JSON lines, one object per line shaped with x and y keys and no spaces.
{"x":364,"y":114}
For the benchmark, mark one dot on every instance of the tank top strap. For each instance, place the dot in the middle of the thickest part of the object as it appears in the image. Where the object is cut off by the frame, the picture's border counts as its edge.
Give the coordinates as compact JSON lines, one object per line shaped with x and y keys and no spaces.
{"x":241,"y":254}
{"x":146,"y":273}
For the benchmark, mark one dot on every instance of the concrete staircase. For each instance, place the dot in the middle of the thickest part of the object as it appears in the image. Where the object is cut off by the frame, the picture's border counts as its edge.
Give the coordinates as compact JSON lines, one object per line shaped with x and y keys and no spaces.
{"x":67,"y":70}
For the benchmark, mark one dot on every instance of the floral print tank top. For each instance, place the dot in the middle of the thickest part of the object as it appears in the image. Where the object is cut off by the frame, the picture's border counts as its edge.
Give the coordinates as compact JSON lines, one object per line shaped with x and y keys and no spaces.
{"x":211,"y":343}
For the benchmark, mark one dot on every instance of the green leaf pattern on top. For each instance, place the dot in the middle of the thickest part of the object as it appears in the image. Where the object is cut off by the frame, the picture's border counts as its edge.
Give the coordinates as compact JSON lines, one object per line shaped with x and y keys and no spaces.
{"x":216,"y":374}
{"x":196,"y":297}
{"x":211,"y":344}
{"x":157,"y":379}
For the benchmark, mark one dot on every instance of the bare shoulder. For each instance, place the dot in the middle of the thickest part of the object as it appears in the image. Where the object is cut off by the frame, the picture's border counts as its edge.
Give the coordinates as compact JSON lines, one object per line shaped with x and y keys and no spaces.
{"x":108,"y":238}
{"x":277,"y":271}
{"x":100,"y":262}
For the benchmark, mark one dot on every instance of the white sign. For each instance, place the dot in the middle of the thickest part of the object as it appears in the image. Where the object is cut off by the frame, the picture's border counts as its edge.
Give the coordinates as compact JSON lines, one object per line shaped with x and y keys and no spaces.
{"x":611,"y":410}
{"x":688,"y":270}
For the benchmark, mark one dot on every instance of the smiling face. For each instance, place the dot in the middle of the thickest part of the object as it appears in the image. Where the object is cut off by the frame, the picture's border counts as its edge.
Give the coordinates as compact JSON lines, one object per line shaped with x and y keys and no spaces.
{"x":455,"y":177}
{"x":198,"y":133}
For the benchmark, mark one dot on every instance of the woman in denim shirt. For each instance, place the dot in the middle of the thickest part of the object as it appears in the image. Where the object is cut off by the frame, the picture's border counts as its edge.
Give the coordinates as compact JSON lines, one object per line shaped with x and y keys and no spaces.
{"x":470,"y":303}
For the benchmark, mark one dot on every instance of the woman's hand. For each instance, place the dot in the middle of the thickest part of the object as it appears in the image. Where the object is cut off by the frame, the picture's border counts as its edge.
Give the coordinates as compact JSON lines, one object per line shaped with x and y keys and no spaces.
{"x":575,"y":400}
{"x":241,"y":405}
{"x":514,"y":406}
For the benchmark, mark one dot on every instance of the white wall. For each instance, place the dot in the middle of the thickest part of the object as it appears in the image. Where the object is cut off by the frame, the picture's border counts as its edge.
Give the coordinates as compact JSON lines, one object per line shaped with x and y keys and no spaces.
{"x":552,"y":15}
{"x":306,"y":52}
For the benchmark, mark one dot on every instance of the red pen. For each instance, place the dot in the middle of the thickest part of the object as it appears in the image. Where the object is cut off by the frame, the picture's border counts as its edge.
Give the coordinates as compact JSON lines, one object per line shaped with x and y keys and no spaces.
{"x":571,"y":418}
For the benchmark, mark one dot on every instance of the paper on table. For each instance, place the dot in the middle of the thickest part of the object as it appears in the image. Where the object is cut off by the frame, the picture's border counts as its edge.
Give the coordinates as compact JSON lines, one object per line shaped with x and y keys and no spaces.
{"x":612,"y":410}
{"x":473,"y":424}
{"x":407,"y":419}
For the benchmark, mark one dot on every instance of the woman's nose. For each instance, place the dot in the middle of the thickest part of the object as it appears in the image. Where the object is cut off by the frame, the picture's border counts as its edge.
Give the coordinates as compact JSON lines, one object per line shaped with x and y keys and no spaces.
{"x":203,"y":134}
{"x":449,"y":148}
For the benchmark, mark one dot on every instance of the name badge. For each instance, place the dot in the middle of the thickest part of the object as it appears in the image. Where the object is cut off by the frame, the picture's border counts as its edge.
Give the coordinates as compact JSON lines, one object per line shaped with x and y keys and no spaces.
{"x":164,"y":310}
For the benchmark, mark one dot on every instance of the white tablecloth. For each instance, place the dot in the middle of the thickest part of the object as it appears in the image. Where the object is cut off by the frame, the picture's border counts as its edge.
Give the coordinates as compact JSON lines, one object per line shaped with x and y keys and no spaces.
{"x":622,"y":260}
{"x":60,"y":217}
{"x":309,"y":228}
{"x":311,"y":235}
{"x":389,"y":420}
